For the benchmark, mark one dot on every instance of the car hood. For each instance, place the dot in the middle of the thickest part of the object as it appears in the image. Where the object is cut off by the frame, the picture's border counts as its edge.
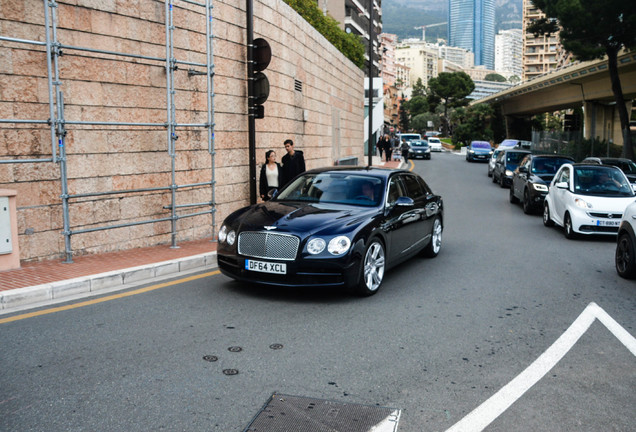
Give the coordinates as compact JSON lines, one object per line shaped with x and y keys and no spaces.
{"x":302,"y":218}
{"x":606,"y":204}
{"x":542,"y":178}
{"x":481,"y":150}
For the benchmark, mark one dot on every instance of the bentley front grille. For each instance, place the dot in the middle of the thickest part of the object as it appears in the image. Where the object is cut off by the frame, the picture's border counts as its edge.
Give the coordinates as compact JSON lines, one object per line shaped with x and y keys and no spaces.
{"x":268,"y":245}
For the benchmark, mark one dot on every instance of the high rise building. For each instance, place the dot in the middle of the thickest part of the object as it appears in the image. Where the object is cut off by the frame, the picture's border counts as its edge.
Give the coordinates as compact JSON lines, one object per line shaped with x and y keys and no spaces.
{"x":471,"y":25}
{"x":508,"y":53}
{"x":353,"y":16}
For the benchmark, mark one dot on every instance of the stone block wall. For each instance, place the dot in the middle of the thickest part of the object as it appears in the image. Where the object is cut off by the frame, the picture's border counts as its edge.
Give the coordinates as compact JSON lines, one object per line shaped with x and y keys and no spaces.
{"x":324,"y":118}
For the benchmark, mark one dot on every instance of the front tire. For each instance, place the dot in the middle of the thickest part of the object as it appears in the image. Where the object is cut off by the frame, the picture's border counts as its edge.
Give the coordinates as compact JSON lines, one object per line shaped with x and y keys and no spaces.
{"x":568,"y":228}
{"x":435,"y":245}
{"x":527,"y":206}
{"x":546,"y":216}
{"x":625,"y":258}
{"x":372,"y":271}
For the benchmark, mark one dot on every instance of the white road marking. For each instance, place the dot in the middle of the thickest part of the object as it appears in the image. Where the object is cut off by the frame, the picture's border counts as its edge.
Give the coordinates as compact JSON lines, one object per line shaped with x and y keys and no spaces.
{"x":492,"y":408}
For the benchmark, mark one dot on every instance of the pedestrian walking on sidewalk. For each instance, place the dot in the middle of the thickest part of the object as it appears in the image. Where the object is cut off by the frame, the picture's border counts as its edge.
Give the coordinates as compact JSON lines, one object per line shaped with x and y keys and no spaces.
{"x":293,"y":162}
{"x":271,"y":175}
{"x":405,"y":148}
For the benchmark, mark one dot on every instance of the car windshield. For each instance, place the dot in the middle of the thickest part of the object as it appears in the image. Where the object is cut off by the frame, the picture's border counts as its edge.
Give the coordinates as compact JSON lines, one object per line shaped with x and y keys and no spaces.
{"x":601,"y":181}
{"x":480,"y":145}
{"x":509,"y":143}
{"x":335,"y":187}
{"x":434,"y":140}
{"x":418,"y":144}
{"x":548,"y":165}
{"x":627,"y":166}
{"x":409,"y":137}
{"x":515,"y":157}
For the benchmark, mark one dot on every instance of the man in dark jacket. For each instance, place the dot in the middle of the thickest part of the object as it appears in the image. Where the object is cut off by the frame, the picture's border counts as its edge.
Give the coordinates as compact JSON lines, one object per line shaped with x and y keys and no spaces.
{"x":293,"y":162}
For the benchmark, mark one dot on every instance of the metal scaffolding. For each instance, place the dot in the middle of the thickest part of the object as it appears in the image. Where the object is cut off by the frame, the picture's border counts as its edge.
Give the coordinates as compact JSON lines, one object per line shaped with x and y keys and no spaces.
{"x":57,"y":122}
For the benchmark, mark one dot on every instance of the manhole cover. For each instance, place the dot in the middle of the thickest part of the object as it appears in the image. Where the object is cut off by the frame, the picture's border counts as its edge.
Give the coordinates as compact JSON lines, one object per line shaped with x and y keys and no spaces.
{"x":284,"y":413}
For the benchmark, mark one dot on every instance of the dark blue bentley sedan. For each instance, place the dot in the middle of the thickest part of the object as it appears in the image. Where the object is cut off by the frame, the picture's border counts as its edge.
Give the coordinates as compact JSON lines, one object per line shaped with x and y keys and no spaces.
{"x":340,"y":226}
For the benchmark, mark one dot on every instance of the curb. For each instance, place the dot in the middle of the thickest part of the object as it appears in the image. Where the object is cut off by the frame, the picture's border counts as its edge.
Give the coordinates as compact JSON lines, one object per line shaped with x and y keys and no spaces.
{"x":71,"y":289}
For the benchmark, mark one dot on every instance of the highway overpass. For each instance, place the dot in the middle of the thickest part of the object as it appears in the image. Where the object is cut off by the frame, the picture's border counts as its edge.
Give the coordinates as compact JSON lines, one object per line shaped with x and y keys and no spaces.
{"x":581,"y":84}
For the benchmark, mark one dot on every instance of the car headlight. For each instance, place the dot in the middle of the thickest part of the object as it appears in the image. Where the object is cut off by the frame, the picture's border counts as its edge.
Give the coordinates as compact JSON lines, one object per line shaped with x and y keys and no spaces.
{"x":471,"y":151}
{"x":581,"y":203}
{"x":222,"y":234}
{"x":231,"y":237}
{"x":508,"y":173}
{"x":339,"y":245}
{"x":316,"y":245}
{"x":540,"y":187}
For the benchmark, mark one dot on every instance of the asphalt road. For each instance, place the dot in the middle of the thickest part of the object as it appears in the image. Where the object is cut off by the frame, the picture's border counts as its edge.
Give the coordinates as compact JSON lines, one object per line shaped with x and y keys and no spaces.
{"x":441,"y":337}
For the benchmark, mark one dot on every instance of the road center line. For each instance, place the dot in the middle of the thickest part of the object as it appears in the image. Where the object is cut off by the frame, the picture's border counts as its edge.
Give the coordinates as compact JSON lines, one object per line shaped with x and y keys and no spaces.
{"x":492,"y":408}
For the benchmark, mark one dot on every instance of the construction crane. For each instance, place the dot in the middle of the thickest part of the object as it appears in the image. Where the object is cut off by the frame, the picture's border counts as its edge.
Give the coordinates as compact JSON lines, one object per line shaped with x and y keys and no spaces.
{"x":423,"y":28}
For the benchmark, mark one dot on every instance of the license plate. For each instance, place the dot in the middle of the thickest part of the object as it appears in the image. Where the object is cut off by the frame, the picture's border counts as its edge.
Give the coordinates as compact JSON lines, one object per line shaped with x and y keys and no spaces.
{"x":612,"y":223}
{"x":265,"y":267}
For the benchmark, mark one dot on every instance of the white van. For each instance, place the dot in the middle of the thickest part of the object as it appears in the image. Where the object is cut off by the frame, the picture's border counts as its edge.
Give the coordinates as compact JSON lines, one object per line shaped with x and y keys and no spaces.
{"x":409,"y":136}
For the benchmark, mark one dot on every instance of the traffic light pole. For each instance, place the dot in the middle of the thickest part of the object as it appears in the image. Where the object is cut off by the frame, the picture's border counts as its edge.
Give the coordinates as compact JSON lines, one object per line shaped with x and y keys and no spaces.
{"x":370,"y":140}
{"x":251,"y":120}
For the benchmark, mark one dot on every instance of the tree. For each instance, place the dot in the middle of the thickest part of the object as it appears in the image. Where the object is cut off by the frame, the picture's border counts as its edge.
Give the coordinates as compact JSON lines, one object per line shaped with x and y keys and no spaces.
{"x":420,"y":122}
{"x":452,"y":89}
{"x":419,"y":89}
{"x":495,"y":77}
{"x":474,"y":123}
{"x":403,"y":121}
{"x":592,"y":29}
{"x":417,"y":105}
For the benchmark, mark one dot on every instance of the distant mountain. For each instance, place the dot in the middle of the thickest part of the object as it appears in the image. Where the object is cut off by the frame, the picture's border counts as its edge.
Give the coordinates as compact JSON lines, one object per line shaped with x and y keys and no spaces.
{"x":400,"y":17}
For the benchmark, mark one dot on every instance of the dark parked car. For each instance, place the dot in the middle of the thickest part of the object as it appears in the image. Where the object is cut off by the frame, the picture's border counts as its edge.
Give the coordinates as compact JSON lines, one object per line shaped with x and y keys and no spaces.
{"x":531,"y":179}
{"x":333,"y":227}
{"x":478,"y":150}
{"x":627,"y":166}
{"x":419,"y":149}
{"x":507,"y":161}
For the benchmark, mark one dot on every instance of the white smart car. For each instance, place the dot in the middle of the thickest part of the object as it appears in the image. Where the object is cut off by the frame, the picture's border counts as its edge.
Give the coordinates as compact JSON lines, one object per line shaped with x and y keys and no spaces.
{"x":435,"y":144}
{"x":587,"y":199}
{"x":625,"y":256}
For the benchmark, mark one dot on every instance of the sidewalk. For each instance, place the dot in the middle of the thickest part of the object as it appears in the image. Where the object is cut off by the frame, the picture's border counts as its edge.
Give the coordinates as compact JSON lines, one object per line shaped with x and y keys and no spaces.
{"x":43,"y":283}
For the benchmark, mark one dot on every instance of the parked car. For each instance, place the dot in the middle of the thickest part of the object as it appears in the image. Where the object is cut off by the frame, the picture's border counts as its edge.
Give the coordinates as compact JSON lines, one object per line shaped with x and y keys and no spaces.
{"x":531,"y":179}
{"x":506,"y":162}
{"x":628,"y":166}
{"x":409,"y":137}
{"x":333,"y":227}
{"x":478,"y":150}
{"x":435,"y":144}
{"x":625,"y":257}
{"x":587,"y":199}
{"x":508,"y":143}
{"x":493,"y":159}
{"x":419,"y":149}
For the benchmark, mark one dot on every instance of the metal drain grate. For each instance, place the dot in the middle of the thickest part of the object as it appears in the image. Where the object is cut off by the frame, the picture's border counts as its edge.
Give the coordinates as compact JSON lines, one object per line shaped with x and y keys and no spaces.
{"x":284,"y":413}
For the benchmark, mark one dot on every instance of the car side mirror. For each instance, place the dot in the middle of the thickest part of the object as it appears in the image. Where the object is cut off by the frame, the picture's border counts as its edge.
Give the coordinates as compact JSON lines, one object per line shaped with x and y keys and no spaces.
{"x":562,"y":185}
{"x":404,"y":202}
{"x":272,"y":194}
{"x":523,"y":169}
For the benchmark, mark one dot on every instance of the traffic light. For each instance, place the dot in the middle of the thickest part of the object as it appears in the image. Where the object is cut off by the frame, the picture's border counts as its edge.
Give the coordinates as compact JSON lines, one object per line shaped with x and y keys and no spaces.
{"x":261,"y":56}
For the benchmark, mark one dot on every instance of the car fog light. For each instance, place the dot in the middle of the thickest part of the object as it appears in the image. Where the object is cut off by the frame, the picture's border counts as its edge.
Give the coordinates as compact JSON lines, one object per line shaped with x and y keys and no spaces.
{"x":339,"y":245}
{"x":231,"y":237}
{"x":222,"y":234}
{"x":315,"y":246}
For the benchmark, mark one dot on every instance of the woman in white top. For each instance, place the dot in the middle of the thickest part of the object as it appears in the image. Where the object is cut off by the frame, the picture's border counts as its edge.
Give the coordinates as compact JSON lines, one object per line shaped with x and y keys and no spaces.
{"x":271,"y":175}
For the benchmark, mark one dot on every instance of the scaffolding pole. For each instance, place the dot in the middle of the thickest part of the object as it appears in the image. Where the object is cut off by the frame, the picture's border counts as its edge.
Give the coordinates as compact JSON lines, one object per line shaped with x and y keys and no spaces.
{"x":58,"y":123}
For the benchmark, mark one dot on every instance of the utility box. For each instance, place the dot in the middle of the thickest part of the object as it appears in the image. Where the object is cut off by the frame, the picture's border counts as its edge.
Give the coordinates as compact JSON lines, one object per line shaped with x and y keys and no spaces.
{"x":9,"y":249}
{"x":6,"y":244}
